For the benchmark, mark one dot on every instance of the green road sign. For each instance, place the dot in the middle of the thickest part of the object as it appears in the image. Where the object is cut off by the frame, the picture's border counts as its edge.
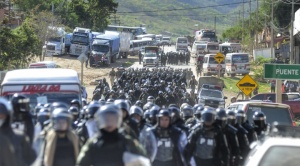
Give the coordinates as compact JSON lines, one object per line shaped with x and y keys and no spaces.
{"x":282,"y":71}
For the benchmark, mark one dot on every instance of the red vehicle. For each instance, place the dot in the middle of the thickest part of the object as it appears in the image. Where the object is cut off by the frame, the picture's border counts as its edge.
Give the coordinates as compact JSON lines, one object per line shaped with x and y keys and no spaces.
{"x":291,"y":99}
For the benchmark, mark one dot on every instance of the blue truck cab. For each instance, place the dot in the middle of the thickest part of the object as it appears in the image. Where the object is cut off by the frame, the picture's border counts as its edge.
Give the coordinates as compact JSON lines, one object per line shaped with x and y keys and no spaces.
{"x":107,"y":44}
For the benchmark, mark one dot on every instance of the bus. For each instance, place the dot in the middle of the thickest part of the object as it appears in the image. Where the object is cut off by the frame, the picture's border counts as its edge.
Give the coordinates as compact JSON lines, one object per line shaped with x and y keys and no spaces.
{"x":137,"y":45}
{"x":55,"y":44}
{"x":135,"y":31}
{"x":237,"y":63}
{"x":182,"y":44}
{"x":152,"y":36}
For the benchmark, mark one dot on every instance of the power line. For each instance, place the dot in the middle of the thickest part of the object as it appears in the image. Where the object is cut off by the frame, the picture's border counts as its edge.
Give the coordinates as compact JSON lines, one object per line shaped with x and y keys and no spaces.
{"x":192,"y":8}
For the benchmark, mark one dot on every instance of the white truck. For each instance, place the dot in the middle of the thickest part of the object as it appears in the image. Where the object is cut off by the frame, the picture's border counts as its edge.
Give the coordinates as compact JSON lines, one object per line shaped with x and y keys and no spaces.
{"x":124,"y":44}
{"x":55,"y":44}
{"x":151,"y":56}
{"x":81,"y":41}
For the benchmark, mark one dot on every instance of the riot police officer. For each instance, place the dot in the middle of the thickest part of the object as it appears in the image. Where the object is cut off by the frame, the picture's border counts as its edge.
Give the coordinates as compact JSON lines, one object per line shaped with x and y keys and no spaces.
{"x":177,"y":120}
{"x":241,"y":118}
{"x":207,"y":137}
{"x":108,"y":147}
{"x":167,"y":140}
{"x":260,"y":124}
{"x":22,"y":118}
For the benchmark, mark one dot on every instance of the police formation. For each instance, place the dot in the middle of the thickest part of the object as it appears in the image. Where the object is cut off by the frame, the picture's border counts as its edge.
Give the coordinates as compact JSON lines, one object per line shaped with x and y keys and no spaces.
{"x":178,"y":58}
{"x":117,"y":132}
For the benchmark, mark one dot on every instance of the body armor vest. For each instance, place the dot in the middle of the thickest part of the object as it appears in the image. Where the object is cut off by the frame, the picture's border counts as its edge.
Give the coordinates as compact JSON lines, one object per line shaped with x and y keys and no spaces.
{"x":205,"y":145}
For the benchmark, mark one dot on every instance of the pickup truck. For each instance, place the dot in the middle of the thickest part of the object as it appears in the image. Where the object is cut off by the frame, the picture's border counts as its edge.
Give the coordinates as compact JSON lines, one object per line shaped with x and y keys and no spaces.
{"x":151,"y":56}
{"x":291,"y":99}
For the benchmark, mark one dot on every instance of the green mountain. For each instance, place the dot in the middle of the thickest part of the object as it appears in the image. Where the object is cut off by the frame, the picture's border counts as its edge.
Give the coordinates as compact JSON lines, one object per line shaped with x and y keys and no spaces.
{"x":181,"y":17}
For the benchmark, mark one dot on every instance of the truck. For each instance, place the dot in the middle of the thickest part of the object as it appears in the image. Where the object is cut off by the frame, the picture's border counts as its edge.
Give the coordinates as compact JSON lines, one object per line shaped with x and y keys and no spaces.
{"x":81,"y":41}
{"x":55,"y":45}
{"x":151,"y":56}
{"x":124,"y":44}
{"x":182,"y":43}
{"x":105,"y":48}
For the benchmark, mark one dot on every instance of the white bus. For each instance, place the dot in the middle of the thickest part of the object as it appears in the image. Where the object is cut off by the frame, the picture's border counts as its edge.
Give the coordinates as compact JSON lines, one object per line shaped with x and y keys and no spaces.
{"x":135,"y":31}
{"x":55,"y":45}
{"x":181,"y":43}
{"x":152,"y":36}
{"x":236,"y":47}
{"x":212,"y":47}
{"x":43,"y":85}
{"x":237,"y":63}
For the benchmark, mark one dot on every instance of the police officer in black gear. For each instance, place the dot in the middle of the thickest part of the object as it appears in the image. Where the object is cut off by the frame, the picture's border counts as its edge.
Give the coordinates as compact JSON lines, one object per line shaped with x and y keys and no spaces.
{"x":241,"y":118}
{"x":136,"y":113}
{"x":130,"y":126}
{"x":207,"y":136}
{"x":241,"y":134}
{"x":160,"y":99}
{"x":177,"y":121}
{"x":23,"y":151}
{"x":190,"y":123}
{"x":231,"y":136}
{"x":87,"y":128}
{"x":168,"y":142}
{"x":73,"y":110}
{"x":153,"y":111}
{"x":108,"y":147}
{"x":260,"y":124}
{"x":187,"y":112}
{"x":55,"y":105}
{"x":42,"y":117}
{"x":22,"y":115}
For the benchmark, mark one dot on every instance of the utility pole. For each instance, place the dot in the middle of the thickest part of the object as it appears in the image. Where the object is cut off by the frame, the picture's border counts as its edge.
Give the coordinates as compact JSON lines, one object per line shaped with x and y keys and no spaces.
{"x":256,"y":34}
{"x":215,"y":26}
{"x":243,"y":20}
{"x":250,"y":14}
{"x":272,"y":31}
{"x":292,"y":58}
{"x":9,"y":11}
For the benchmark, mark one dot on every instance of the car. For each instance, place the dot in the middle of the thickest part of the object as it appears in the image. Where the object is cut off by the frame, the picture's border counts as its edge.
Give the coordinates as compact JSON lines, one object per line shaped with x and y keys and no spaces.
{"x":275,"y":112}
{"x":211,"y":97}
{"x":277,"y":149}
{"x":247,"y":84}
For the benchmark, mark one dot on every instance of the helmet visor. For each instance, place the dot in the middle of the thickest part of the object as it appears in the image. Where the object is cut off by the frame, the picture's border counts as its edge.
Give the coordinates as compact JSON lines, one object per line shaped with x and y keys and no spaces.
{"x":109,"y":120}
{"x":208,"y":118}
{"x":60,"y":124}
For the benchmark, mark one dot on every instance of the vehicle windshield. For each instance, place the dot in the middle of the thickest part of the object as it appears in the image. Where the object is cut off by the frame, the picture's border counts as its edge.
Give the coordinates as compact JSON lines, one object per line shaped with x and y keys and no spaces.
{"x":100,"y":48}
{"x":228,"y":48}
{"x":166,"y":38}
{"x":201,"y":47}
{"x":55,"y":39}
{"x":273,"y":156}
{"x":182,"y":41}
{"x":213,"y":47}
{"x":150,"y":55}
{"x":211,"y":93}
{"x":209,"y":35}
{"x":240,"y":58}
{"x":273,"y":114}
{"x":80,"y":39}
{"x":51,"y":97}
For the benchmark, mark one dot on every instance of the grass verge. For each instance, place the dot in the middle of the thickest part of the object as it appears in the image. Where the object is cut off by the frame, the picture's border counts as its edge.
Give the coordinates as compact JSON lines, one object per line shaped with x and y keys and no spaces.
{"x":230,"y":85}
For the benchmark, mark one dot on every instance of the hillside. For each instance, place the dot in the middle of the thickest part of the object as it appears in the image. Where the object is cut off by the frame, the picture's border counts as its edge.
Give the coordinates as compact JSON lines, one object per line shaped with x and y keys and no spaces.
{"x":180,"y":16}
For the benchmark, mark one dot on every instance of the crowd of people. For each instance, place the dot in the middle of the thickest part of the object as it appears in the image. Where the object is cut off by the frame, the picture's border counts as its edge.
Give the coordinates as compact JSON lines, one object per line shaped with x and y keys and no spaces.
{"x":147,"y":117}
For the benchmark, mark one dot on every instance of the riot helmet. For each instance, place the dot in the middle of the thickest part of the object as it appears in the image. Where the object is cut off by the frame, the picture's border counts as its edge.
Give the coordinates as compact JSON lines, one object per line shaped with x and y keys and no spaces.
{"x":61,"y":119}
{"x":197,"y":112}
{"x":164,"y":123}
{"x":5,"y":113}
{"x":175,"y":114}
{"x":37,"y":109}
{"x":92,"y":108}
{"x":187,"y":112}
{"x":43,"y":116}
{"x":110,"y":101}
{"x":139,"y":103}
{"x":150,"y":99}
{"x":55,"y":105}
{"x":84,"y":102}
{"x":76,"y":103}
{"x":153,"y":112}
{"x":136,"y":113}
{"x":147,"y":116}
{"x":208,"y":116}
{"x":20,"y":103}
{"x":109,"y":117}
{"x":123,"y":106}
{"x":231,"y":119}
{"x":47,"y":105}
{"x":240,"y":116}
{"x":102,"y":101}
{"x":259,"y":119}
{"x":221,"y":118}
{"x":73,"y":110}
{"x":148,"y":105}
